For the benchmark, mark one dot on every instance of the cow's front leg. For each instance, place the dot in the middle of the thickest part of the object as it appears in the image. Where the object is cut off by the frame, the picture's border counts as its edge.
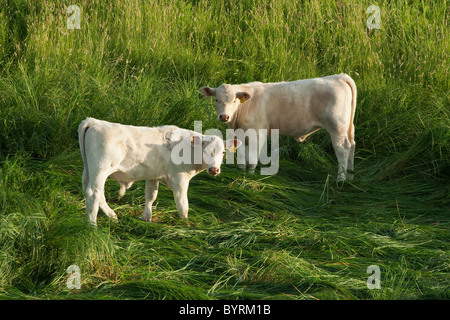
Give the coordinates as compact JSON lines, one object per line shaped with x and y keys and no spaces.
{"x":251,"y":154}
{"x":151,"y":191}
{"x":180,"y":189}
{"x":242,"y":157}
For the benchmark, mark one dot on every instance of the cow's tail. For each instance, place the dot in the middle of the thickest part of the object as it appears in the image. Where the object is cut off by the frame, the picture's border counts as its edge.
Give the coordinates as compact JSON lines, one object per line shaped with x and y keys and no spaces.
{"x":351,"y":127}
{"x":82,"y":128}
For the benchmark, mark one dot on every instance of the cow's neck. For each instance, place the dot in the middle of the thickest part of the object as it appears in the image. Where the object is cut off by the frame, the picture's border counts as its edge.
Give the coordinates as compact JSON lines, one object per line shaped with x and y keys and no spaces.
{"x":245,"y":118}
{"x":238,"y":120}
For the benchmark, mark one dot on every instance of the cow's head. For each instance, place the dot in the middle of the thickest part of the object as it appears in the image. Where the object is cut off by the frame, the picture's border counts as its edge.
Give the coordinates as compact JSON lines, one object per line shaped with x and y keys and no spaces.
{"x":227,"y":100}
{"x":213,"y":150}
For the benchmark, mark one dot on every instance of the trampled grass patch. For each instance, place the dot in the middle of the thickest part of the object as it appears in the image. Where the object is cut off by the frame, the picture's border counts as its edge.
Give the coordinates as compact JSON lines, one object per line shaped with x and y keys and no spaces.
{"x":294,"y":235}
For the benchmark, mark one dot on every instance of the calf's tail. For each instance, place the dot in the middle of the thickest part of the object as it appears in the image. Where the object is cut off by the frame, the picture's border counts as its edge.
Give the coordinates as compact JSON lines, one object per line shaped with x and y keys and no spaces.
{"x":82,"y":128}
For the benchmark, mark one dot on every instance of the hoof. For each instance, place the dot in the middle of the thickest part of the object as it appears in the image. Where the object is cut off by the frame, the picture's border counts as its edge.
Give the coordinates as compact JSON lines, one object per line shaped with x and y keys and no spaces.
{"x":251,"y":168}
{"x":350,"y":175}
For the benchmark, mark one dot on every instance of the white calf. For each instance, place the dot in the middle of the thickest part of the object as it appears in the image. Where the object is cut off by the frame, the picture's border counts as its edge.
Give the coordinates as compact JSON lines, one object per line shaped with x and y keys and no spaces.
{"x":128,"y":153}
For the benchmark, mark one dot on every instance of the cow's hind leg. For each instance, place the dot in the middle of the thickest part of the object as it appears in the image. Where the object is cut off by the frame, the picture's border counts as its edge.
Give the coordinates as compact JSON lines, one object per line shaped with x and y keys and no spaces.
{"x":342,"y":146}
{"x":351,"y":155}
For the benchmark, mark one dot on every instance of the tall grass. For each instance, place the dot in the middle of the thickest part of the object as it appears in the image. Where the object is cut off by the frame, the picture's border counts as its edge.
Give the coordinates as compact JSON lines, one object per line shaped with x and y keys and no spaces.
{"x":294,"y":235}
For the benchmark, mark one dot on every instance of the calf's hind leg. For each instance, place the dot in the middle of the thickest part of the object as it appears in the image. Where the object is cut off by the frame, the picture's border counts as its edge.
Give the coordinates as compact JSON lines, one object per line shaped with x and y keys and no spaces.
{"x":106,"y":209}
{"x":95,"y":196}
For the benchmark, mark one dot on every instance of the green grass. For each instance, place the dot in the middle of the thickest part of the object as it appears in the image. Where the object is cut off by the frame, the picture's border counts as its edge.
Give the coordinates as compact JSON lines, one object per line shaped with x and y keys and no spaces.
{"x":294,"y":235}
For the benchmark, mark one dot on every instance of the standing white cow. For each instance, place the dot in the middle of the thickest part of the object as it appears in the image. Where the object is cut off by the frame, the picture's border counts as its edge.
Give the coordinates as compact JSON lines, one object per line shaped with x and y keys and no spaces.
{"x":128,"y":153}
{"x":296,"y":108}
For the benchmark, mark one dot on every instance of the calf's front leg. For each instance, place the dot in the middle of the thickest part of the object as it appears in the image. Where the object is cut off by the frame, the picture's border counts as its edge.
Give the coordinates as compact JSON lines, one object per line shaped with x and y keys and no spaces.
{"x":151,"y":191}
{"x":180,"y":189}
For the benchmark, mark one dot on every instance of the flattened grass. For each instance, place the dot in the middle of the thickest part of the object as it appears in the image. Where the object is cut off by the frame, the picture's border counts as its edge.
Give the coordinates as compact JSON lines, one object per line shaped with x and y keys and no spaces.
{"x":294,"y":235}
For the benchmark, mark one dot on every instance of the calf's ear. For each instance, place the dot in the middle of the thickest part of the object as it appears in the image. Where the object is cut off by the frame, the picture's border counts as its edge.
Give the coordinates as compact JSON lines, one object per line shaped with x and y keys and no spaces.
{"x":232,"y":144}
{"x":207,"y":91}
{"x":243,"y":96}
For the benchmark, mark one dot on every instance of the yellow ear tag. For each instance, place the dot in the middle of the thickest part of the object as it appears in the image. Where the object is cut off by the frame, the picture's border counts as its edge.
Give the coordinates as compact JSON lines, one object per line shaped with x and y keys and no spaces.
{"x":233,"y":149}
{"x":242,"y":99}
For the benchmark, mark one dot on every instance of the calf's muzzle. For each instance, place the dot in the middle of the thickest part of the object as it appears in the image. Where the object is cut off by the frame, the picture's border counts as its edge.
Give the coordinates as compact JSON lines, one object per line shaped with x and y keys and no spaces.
{"x":213,"y":171}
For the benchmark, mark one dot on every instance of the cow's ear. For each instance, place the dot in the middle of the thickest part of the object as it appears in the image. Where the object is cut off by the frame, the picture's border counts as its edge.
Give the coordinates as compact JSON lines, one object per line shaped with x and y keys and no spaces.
{"x":243,"y":96}
{"x":232,"y":144}
{"x":207,"y":91}
{"x":196,"y":140}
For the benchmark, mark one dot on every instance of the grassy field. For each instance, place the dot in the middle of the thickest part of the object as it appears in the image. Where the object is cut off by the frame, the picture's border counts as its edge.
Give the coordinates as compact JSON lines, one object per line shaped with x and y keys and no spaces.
{"x":293,"y":235}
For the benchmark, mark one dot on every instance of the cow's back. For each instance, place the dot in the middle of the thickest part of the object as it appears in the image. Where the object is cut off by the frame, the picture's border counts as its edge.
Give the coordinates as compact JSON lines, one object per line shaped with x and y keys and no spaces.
{"x":295,"y":107}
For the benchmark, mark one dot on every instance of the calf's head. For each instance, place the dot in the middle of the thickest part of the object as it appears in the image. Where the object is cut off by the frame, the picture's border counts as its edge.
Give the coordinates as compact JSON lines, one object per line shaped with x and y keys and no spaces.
{"x":213,"y":150}
{"x":228,"y":100}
